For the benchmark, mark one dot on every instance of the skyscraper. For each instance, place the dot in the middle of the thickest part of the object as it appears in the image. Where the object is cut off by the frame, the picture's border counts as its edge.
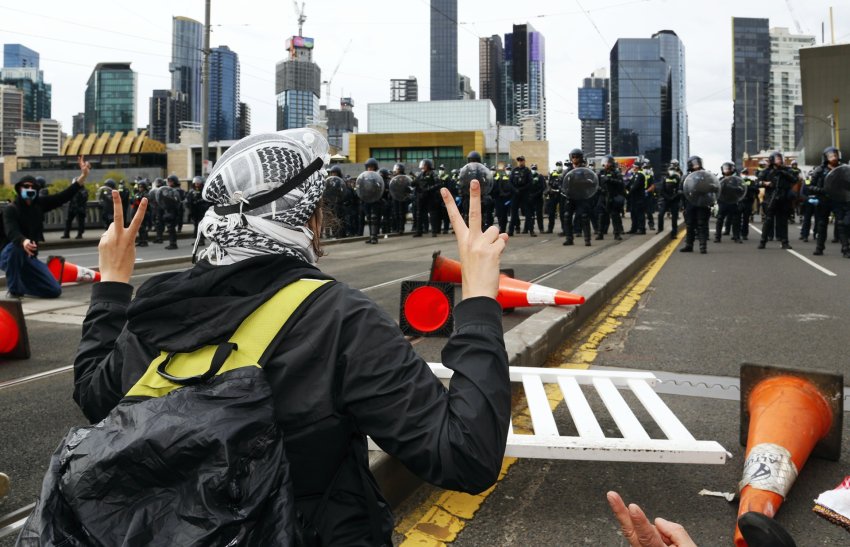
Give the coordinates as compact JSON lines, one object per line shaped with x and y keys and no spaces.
{"x":78,"y":124}
{"x":444,"y":50}
{"x":11,"y":117}
{"x":491,"y":67}
{"x":595,"y":114}
{"x":464,"y":88}
{"x":243,"y":121}
{"x":785,"y":94}
{"x":19,"y":56}
{"x":224,"y":94}
{"x":111,"y":98}
{"x":648,"y":115}
{"x":525,"y":81}
{"x":298,"y":85}
{"x":167,"y":109}
{"x":187,"y":41}
{"x":341,"y":121}
{"x":404,"y":89}
{"x":750,"y":86}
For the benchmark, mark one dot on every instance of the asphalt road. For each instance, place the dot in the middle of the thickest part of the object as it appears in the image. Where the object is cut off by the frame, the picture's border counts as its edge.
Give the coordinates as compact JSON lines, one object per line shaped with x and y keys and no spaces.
{"x":700,"y":315}
{"x":34,"y":416}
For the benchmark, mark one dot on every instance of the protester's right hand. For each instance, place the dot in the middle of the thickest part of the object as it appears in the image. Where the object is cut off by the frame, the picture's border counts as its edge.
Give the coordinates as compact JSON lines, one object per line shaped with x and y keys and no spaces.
{"x":30,"y":247}
{"x":641,"y":533}
{"x":479,"y":251}
{"x":117,"y":247}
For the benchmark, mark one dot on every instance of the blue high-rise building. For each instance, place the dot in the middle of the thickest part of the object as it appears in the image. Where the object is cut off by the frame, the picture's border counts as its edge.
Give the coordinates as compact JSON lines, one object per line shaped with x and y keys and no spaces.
{"x":187,"y":42}
{"x":111,"y":99}
{"x":444,"y":85}
{"x":224,"y":94}
{"x":648,"y":114}
{"x":18,"y":56}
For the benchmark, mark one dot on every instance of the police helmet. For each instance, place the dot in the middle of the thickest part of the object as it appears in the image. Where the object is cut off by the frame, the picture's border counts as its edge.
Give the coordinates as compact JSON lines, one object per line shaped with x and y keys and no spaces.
{"x":534,"y":167}
{"x":384,"y":172}
{"x":775,"y":159}
{"x":473,"y":157}
{"x":198,"y":180}
{"x":455,"y":172}
{"x":794,"y":163}
{"x":831,"y":150}
{"x":173,"y":178}
{"x":762,"y":164}
{"x":442,"y":167}
{"x":559,"y":164}
{"x":426,"y":163}
{"x":398,"y":169}
{"x":727,"y":169}
{"x":372,"y":163}
{"x":110,"y":183}
{"x":608,"y":161}
{"x":674,"y":163}
{"x":41,"y":181}
{"x":335,"y":171}
{"x":745,"y":171}
{"x":576,"y":152}
{"x":694,"y":163}
{"x":143,"y":184}
{"x":159,"y":182}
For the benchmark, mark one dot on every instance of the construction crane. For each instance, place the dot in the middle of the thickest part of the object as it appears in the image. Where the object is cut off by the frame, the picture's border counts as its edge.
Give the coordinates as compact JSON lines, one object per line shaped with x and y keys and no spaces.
{"x":329,"y":80}
{"x":794,"y":17}
{"x":301,"y":17}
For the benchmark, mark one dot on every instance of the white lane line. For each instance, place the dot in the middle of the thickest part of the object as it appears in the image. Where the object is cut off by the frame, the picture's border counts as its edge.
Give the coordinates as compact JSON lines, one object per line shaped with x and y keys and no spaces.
{"x":811,"y":263}
{"x":400,"y":279}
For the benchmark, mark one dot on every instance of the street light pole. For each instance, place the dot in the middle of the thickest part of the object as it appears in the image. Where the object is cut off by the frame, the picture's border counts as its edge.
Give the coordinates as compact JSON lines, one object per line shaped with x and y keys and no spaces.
{"x":205,"y":93}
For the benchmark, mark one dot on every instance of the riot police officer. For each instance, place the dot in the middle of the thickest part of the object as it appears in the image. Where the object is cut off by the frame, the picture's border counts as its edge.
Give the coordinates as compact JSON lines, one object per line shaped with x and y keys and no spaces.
{"x":399,"y":208}
{"x":554,"y":199}
{"x":104,"y":196}
{"x":777,"y":180}
{"x":196,"y":204}
{"x":637,"y":186}
{"x":826,"y":206}
{"x":140,"y":194}
{"x":728,"y":213}
{"x":372,"y":211}
{"x":807,"y":209}
{"x":746,"y":205}
{"x":521,"y":182}
{"x":428,"y":207}
{"x":168,"y":200}
{"x":535,"y":197}
{"x":77,"y":210}
{"x":612,"y":192}
{"x":651,"y":205}
{"x":696,"y":216}
{"x":578,"y":211}
{"x":669,"y":198}
{"x":446,"y":181}
{"x":503,"y":191}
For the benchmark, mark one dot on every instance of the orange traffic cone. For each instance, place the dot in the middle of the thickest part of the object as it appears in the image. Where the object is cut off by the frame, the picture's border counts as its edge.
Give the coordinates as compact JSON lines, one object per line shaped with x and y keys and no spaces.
{"x":788,"y":415}
{"x":514,"y":293}
{"x":14,"y":343}
{"x":444,"y":270}
{"x":426,"y":308}
{"x":67,"y":272}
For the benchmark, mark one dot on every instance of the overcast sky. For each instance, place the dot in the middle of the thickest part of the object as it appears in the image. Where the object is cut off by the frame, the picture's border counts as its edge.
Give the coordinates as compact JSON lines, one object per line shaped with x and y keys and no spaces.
{"x":390,"y":39}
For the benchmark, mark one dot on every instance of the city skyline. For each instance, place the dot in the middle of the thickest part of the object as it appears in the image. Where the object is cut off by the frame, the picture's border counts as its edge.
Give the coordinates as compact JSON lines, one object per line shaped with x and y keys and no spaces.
{"x":363,"y":74}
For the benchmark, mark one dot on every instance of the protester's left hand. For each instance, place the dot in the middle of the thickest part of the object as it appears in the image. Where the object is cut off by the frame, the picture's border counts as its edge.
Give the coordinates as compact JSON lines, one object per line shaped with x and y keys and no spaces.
{"x":117,"y":247}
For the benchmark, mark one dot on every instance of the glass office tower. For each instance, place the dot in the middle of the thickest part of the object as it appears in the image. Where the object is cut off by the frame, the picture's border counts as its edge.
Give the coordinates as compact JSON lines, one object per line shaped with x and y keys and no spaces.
{"x":444,"y":50}
{"x":751,"y":86}
{"x":111,"y":99}
{"x":224,"y":94}
{"x":187,"y":42}
{"x":19,"y":56}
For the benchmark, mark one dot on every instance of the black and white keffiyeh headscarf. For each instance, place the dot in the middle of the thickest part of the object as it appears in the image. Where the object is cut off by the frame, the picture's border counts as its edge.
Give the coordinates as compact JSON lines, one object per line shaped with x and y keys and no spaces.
{"x":250,"y":169}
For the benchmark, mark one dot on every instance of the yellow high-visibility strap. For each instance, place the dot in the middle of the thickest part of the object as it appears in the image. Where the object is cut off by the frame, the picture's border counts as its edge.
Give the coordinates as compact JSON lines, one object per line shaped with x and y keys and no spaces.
{"x":253,"y":336}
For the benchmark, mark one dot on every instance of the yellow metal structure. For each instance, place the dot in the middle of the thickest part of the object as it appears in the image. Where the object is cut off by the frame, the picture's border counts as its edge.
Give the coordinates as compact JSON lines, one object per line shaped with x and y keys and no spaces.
{"x":361,"y":144}
{"x":112,"y":143}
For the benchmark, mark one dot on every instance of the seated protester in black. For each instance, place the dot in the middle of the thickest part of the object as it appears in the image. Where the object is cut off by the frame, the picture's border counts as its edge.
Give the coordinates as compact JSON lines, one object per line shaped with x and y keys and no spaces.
{"x":342,"y":371}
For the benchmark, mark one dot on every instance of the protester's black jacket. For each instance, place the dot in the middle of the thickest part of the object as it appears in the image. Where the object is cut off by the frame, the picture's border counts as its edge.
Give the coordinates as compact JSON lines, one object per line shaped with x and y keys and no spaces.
{"x":22,"y":221}
{"x":343,"y":371}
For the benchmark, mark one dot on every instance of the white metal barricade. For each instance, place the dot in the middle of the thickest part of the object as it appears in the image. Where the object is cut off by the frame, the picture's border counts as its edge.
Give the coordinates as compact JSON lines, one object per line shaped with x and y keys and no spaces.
{"x":635,"y":445}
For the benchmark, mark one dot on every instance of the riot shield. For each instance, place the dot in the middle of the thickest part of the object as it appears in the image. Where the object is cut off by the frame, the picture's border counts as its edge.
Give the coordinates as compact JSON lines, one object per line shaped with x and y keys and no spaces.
{"x":701,"y":188}
{"x":333,"y":189}
{"x":475,"y":171}
{"x":732,"y":190}
{"x":401,"y":187}
{"x":370,"y":186}
{"x":580,"y":183}
{"x":837,"y":184}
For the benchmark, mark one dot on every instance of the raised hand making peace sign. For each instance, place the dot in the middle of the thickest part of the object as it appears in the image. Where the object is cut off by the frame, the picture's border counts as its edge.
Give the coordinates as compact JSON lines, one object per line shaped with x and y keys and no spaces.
{"x":117,"y":247}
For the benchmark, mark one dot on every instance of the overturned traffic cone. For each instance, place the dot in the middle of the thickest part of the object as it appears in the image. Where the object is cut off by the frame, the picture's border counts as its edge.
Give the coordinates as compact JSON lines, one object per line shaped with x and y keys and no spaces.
{"x":14,"y":343}
{"x":68,"y":272}
{"x":786,"y":416}
{"x":426,"y":308}
{"x":513,"y":293}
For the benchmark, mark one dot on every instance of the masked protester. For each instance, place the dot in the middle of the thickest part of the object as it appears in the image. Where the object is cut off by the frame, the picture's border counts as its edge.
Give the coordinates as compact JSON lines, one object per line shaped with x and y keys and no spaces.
{"x":23,"y":225}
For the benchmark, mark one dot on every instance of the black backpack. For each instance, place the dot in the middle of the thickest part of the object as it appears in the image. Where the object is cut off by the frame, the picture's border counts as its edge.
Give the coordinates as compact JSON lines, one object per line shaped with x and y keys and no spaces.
{"x":192,"y":455}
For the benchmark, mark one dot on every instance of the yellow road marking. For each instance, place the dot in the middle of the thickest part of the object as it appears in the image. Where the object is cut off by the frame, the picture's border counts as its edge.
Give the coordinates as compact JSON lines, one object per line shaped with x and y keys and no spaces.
{"x":443,"y":519}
